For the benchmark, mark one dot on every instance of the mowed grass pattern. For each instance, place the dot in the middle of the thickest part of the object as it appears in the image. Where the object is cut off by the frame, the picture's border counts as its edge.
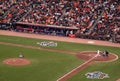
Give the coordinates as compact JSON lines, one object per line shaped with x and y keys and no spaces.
{"x":49,"y":66}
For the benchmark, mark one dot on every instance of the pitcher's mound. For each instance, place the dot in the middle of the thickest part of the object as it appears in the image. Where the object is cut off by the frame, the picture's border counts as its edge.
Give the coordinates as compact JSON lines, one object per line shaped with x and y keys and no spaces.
{"x":16,"y":61}
{"x":89,"y":54}
{"x":118,"y":79}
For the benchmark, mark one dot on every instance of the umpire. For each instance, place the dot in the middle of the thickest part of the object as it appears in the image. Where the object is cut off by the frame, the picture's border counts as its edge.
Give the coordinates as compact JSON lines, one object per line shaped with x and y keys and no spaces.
{"x":106,"y":53}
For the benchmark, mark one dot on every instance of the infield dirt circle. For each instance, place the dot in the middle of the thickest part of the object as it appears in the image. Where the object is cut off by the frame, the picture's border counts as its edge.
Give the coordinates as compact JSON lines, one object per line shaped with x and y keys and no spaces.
{"x":118,"y":79}
{"x":100,"y":58}
{"x":16,"y":61}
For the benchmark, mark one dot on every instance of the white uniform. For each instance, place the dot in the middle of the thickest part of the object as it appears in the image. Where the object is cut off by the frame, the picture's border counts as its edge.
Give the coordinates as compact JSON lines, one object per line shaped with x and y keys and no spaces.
{"x":98,"y":52}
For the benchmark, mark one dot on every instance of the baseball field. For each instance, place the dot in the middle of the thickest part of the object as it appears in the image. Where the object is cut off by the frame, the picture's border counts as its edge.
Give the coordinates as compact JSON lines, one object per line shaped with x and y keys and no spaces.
{"x":50,"y":63}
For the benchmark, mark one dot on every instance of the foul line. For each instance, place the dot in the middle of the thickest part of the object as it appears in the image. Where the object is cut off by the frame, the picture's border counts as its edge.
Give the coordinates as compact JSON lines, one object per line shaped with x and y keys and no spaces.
{"x":74,"y":70}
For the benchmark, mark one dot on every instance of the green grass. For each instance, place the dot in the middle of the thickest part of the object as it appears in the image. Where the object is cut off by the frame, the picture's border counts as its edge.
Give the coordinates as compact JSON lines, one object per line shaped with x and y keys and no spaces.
{"x":49,"y":66}
{"x":61,"y":45}
{"x":112,"y":69}
{"x":45,"y":66}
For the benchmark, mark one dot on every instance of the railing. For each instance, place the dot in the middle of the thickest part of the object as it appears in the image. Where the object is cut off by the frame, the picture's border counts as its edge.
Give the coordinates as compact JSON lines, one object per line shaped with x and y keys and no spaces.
{"x":51,"y":26}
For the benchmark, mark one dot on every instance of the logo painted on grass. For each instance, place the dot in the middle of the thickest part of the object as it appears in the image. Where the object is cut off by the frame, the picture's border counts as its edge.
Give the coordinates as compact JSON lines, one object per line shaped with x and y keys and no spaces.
{"x":96,"y":75}
{"x":48,"y":44}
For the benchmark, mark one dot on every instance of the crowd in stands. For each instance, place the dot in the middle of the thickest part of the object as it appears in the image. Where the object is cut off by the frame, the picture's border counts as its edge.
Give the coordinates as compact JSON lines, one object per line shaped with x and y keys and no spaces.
{"x":16,"y":12}
{"x":4,"y":6}
{"x":81,"y":14}
{"x":45,"y":12}
{"x":109,"y":23}
{"x":96,"y":18}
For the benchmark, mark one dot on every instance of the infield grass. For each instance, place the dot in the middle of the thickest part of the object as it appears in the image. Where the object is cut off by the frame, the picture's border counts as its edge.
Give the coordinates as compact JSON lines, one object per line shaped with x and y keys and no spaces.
{"x":45,"y":65}
{"x":49,"y":66}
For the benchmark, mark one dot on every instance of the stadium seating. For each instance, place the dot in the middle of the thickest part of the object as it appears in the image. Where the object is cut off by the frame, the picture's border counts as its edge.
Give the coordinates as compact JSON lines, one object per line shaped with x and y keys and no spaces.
{"x":94,"y":19}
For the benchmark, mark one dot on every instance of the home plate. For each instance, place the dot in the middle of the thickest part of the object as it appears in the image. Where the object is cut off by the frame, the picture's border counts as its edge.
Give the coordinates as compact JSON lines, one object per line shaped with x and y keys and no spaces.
{"x":90,"y":42}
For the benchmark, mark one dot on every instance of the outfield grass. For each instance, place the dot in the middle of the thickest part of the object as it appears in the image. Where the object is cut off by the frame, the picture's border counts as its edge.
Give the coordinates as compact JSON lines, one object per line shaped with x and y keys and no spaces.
{"x":48,"y":66}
